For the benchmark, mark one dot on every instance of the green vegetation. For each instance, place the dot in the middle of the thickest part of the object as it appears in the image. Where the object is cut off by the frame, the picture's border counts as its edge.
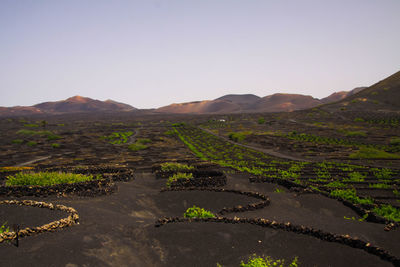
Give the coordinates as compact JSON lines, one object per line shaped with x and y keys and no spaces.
{"x":372,"y":153}
{"x":389,"y":212}
{"x":336,"y":184}
{"x":48,"y":134}
{"x":175,"y":167}
{"x":355,"y":177}
{"x":379,"y":186}
{"x":118,"y":137}
{"x":47,"y":178}
{"x":197,"y":212}
{"x":358,"y":120}
{"x":256,"y":261}
{"x":356,"y":134}
{"x":178,"y":176}
{"x":261,"y":120}
{"x":278,"y":190}
{"x":4,"y":228}
{"x":55,"y":145}
{"x":318,"y":139}
{"x":17,"y":141}
{"x":137,"y":147}
{"x":350,"y":195}
{"x":140,"y":144}
{"x":31,"y":143}
{"x":382,"y":173}
{"x":238,"y":136}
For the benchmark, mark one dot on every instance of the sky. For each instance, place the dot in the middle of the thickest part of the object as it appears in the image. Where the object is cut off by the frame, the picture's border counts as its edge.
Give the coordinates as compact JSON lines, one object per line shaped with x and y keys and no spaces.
{"x":153,"y":53}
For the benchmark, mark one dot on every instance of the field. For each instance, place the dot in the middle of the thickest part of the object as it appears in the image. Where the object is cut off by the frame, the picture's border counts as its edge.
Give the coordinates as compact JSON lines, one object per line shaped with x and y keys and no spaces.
{"x":312,"y":185}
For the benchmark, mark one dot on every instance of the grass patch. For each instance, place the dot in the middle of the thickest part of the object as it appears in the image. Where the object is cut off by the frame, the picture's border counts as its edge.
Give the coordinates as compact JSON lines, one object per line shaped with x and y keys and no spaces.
{"x":4,"y":228}
{"x":336,"y":184}
{"x":256,"y":261}
{"x":118,"y":137}
{"x":389,"y":212}
{"x":350,"y":195}
{"x":47,"y":178}
{"x":379,"y":186}
{"x":355,"y":177}
{"x":31,"y":143}
{"x":372,"y":153}
{"x":197,"y":212}
{"x":238,"y":136}
{"x":178,"y":176}
{"x":175,"y":167}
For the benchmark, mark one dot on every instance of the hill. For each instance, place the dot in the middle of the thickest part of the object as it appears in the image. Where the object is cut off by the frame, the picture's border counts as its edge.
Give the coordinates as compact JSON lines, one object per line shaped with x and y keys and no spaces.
{"x":71,"y":105}
{"x":382,"y":96}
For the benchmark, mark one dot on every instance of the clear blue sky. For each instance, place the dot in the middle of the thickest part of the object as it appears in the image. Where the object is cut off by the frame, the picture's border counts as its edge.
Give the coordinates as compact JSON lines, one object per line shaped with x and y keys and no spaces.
{"x":153,"y":53}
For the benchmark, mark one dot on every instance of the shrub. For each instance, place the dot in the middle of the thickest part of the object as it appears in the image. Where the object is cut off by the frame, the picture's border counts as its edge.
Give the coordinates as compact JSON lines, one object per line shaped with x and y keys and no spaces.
{"x":4,"y":228}
{"x":255,"y":261}
{"x":350,"y":195}
{"x":137,"y":147}
{"x":197,"y":212}
{"x":372,"y":153}
{"x":31,"y":143}
{"x":355,"y":177}
{"x":238,"y":136}
{"x":178,"y":176}
{"x":175,"y":167}
{"x":55,"y":145}
{"x":336,"y":184}
{"x":17,"y":141}
{"x":389,"y":212}
{"x":47,"y":178}
{"x":261,"y":120}
{"x":143,"y":141}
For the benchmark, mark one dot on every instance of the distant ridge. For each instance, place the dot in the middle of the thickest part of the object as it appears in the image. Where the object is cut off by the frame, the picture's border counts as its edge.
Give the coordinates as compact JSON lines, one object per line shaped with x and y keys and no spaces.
{"x":382,"y":96}
{"x":73,"y":104}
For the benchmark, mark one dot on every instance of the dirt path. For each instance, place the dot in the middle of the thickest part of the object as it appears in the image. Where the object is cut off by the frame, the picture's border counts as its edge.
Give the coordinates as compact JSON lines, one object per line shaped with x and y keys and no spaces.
{"x":264,"y":150}
{"x":32,"y":161}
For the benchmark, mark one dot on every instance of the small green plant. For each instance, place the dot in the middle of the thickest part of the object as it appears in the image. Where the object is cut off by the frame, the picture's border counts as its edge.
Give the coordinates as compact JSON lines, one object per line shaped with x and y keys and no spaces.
{"x":118,"y":137}
{"x":137,"y":147}
{"x":256,"y":261}
{"x":197,"y":212}
{"x":261,"y":120}
{"x":47,"y":178}
{"x":372,"y":153}
{"x":355,"y":177}
{"x":175,"y":167}
{"x":237,"y":136}
{"x":383,"y":173}
{"x":379,"y":186}
{"x":278,"y":190}
{"x":17,"y":141}
{"x":389,"y":212}
{"x":178,"y":176}
{"x":350,"y":195}
{"x":31,"y":143}
{"x":359,"y":120}
{"x":4,"y":228}
{"x":55,"y":145}
{"x":336,"y":184}
{"x":354,"y":218}
{"x":143,"y":141}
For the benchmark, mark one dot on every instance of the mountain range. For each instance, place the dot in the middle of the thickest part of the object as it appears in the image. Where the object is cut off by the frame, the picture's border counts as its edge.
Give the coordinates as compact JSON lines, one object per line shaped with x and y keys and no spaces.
{"x":384,"y":95}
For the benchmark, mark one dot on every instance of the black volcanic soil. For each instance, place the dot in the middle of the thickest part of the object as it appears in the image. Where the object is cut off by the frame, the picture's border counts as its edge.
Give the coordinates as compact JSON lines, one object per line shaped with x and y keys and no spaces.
{"x":119,"y":229}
